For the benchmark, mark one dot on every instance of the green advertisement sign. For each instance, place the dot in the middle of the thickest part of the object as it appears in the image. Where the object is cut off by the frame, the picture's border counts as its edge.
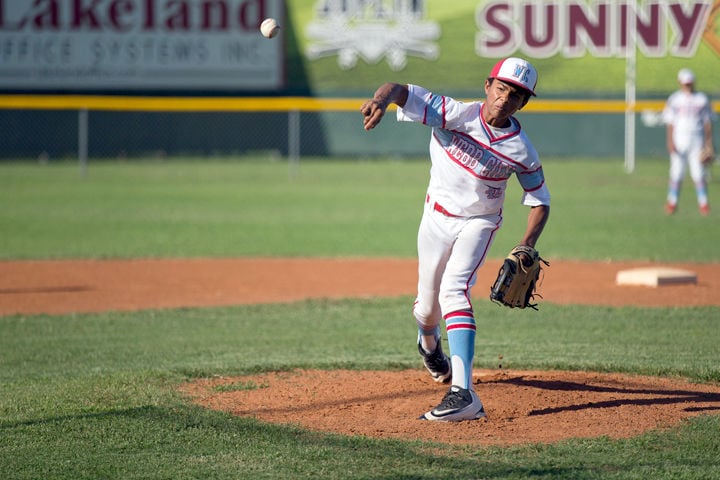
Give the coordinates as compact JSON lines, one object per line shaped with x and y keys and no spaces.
{"x":349,"y":47}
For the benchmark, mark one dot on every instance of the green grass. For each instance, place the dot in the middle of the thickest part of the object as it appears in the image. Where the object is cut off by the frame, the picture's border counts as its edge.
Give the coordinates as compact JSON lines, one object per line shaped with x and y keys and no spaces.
{"x":328,"y":208}
{"x":94,"y":396}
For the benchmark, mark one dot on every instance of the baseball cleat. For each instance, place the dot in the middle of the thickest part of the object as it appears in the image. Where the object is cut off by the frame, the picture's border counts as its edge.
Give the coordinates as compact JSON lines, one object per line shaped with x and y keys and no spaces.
{"x":437,"y":363}
{"x":704,"y":209}
{"x":670,"y":208}
{"x":457,"y":405}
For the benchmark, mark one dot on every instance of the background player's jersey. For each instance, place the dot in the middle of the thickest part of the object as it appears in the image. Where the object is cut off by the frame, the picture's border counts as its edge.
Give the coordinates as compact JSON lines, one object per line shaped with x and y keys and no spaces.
{"x":471,"y":160}
{"x":687,"y":113}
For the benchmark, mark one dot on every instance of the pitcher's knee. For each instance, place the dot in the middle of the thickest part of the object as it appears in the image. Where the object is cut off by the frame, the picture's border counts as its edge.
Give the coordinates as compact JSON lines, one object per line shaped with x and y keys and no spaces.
{"x":426,"y":314}
{"x":454,"y":300}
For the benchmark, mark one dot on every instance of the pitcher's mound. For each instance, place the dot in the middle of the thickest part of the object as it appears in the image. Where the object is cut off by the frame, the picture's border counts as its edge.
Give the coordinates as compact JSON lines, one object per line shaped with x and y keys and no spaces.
{"x":522,"y":406}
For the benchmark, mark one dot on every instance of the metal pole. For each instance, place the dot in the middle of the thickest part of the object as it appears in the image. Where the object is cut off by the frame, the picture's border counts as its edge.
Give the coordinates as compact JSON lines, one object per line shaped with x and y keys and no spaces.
{"x":294,"y":141}
{"x":630,"y":83}
{"x":83,"y":140}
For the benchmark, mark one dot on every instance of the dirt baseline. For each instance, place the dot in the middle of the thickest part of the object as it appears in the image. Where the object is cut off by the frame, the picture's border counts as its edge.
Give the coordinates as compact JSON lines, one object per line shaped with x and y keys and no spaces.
{"x":522,"y":406}
{"x":67,"y":286}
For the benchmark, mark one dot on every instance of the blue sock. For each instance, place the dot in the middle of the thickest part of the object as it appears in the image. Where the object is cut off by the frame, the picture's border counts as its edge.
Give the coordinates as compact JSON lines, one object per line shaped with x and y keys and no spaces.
{"x":461,"y":338}
{"x":702,"y":195}
{"x":673,"y":193}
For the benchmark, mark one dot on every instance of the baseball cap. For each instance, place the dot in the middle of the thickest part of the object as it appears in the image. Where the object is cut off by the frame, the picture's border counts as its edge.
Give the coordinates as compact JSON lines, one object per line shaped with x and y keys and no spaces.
{"x":686,"y":76}
{"x":516,"y":71}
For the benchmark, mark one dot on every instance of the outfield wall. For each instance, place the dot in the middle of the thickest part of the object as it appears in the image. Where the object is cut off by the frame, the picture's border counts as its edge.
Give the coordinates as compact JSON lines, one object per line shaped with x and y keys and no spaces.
{"x":110,"y":127}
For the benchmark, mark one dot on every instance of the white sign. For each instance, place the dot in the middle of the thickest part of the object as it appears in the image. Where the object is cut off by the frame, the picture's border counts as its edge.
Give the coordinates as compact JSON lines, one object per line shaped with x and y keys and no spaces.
{"x":139,"y":44}
{"x":371,"y":30}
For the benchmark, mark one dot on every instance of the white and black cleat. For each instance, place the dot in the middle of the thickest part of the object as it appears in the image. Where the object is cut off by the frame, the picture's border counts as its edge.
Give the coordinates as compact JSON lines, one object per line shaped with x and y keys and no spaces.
{"x":457,"y":405}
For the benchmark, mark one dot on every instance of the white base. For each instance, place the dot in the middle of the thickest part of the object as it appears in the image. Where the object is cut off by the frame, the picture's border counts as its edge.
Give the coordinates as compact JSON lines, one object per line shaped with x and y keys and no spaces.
{"x":655,"y":276}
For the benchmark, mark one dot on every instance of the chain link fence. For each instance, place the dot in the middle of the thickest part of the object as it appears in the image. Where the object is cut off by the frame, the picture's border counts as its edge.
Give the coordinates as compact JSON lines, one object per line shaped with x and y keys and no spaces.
{"x":97,"y":134}
{"x":95,"y":128}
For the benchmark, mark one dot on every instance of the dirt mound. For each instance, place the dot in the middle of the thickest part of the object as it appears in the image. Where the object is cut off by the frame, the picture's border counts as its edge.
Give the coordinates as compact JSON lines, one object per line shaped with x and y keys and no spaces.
{"x":522,"y":406}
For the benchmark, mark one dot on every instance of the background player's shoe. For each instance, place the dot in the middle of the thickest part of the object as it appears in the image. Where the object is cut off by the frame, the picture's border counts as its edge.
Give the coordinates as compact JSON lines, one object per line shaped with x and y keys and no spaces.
{"x":704,"y":209}
{"x":670,"y":208}
{"x":437,"y":363}
{"x":457,"y":405}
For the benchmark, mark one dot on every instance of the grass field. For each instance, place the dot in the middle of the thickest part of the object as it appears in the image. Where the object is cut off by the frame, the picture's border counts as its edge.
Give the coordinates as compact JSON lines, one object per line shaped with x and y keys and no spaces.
{"x":93,"y":396}
{"x":252,"y":206}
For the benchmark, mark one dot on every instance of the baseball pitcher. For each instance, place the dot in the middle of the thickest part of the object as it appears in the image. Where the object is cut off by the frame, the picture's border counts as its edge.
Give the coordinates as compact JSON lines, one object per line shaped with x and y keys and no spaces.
{"x":475,"y":148}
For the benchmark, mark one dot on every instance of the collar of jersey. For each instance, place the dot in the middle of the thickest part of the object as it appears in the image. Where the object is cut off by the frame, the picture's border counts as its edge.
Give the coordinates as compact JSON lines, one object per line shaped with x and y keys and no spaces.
{"x":513,"y":129}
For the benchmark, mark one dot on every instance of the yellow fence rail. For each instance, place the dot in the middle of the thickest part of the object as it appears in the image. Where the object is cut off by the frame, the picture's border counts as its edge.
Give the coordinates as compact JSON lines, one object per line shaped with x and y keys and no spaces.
{"x":276,"y":104}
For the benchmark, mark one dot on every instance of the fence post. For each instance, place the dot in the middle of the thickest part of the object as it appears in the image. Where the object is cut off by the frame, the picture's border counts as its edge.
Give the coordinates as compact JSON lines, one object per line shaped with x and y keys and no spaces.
{"x":83,"y":140}
{"x":630,"y":87}
{"x":294,"y":141}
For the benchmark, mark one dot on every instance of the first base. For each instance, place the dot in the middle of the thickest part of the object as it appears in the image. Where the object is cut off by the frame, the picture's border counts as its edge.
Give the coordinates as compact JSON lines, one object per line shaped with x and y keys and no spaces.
{"x":655,"y":276}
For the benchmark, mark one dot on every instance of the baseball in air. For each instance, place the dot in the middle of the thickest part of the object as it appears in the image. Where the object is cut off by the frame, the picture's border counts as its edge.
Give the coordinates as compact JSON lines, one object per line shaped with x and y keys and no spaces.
{"x":269,"y":28}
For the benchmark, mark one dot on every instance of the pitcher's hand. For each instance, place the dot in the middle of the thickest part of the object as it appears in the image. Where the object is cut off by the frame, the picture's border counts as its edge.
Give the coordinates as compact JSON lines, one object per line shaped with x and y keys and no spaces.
{"x":372,"y":112}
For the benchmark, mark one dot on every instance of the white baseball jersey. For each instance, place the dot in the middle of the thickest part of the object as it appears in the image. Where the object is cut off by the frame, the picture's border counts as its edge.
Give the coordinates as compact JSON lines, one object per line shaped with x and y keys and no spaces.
{"x":471,"y":160}
{"x":687,"y":113}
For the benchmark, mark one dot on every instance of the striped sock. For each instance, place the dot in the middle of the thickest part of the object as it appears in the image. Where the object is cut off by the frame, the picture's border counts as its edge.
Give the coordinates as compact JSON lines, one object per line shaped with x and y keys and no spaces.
{"x":461,"y":339}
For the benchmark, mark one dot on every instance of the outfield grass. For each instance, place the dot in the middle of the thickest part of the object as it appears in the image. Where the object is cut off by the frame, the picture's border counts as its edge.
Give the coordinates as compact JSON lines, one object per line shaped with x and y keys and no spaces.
{"x":93,"y":396}
{"x":327,"y":208}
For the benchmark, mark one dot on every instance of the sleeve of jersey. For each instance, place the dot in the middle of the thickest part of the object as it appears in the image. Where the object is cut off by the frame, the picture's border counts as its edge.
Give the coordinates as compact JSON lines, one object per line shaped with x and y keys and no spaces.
{"x":667,"y":113}
{"x":423,"y":106}
{"x":534,"y":188}
{"x":709,"y":113}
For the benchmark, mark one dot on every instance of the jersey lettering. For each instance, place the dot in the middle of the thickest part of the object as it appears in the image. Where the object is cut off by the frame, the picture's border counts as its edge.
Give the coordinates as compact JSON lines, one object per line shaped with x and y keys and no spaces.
{"x":475,"y":158}
{"x":465,"y":153}
{"x":495,"y":168}
{"x":493,"y":192}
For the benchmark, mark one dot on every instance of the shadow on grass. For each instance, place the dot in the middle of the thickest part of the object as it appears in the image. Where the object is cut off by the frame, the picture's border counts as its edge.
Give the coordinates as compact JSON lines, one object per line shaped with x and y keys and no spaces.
{"x":176,"y":436}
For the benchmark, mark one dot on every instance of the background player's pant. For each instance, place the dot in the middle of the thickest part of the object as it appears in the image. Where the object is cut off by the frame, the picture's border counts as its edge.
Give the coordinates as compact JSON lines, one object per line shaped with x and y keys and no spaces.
{"x":680,"y":160}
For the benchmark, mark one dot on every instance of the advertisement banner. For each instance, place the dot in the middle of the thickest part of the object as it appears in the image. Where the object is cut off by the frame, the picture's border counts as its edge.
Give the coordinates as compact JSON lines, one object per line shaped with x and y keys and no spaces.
{"x":348,"y":47}
{"x":579,"y":46}
{"x":139,"y":45}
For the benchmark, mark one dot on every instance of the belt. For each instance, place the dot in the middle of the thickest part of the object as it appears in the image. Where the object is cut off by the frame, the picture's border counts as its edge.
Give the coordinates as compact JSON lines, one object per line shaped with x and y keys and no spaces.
{"x":439,"y":208}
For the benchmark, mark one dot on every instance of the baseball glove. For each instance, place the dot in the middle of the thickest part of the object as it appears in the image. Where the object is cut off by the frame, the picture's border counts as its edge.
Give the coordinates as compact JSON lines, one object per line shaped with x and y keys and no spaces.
{"x":516,"y":280}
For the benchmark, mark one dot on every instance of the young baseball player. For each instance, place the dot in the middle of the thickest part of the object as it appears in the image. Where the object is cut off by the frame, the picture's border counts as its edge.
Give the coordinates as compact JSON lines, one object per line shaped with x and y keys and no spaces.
{"x":688,"y":116}
{"x":475,"y":148}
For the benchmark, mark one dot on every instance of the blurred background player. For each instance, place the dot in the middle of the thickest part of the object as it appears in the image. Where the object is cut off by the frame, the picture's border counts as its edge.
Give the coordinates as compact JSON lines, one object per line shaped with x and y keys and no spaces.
{"x":688,"y":116}
{"x":475,"y":148}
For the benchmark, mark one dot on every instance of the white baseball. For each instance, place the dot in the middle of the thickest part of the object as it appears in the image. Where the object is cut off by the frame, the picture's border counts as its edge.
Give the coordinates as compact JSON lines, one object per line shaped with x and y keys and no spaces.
{"x":269,"y":28}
